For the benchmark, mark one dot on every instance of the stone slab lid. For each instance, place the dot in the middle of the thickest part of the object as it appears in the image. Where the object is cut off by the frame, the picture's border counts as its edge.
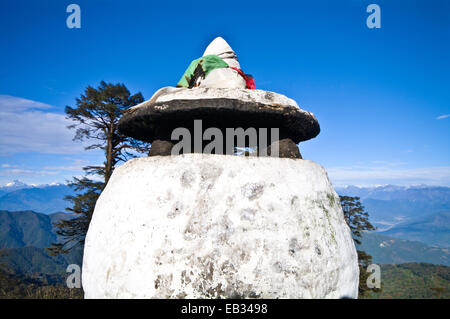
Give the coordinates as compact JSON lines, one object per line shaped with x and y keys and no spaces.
{"x":171,"y":108}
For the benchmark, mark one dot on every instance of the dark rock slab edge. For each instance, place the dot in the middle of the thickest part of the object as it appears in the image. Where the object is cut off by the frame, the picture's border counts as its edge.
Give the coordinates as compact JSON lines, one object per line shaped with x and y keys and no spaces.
{"x":156,"y":121}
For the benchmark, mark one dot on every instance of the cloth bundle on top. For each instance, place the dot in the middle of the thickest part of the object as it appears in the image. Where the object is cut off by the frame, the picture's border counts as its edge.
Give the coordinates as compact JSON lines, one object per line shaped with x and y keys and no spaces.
{"x":217,"y":68}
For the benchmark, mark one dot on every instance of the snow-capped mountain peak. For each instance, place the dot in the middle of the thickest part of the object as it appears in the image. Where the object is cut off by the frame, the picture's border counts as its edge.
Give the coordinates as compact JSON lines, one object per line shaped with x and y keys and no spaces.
{"x":14,"y":185}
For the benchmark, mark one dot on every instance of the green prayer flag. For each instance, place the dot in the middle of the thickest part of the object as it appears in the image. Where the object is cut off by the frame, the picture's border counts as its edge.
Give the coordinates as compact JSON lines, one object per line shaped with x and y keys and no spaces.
{"x":201,"y":66}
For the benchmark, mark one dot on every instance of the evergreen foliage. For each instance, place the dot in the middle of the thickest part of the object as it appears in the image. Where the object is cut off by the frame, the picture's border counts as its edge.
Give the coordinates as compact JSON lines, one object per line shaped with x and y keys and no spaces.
{"x":95,"y":118}
{"x":358,"y":220}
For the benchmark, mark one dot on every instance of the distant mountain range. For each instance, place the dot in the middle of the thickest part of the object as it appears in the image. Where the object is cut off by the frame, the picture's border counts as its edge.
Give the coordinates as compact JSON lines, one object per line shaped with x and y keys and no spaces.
{"x":389,"y":205}
{"x":47,"y":199}
{"x":389,"y":250}
{"x":33,"y":260}
{"x":13,"y":186}
{"x":417,"y":213}
{"x":24,"y":235}
{"x":25,"y":228}
{"x":432,"y":230}
{"x":28,"y":228}
{"x":437,"y":194}
{"x":414,"y":227}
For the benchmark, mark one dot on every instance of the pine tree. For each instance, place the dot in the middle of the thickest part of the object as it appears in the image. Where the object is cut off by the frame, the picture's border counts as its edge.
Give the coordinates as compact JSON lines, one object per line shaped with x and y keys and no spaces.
{"x":95,"y":118}
{"x":358,"y":220}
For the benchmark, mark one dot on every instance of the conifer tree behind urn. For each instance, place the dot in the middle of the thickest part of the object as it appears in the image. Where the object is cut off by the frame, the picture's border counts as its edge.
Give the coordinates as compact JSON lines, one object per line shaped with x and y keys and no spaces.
{"x":358,"y":220}
{"x":95,"y":118}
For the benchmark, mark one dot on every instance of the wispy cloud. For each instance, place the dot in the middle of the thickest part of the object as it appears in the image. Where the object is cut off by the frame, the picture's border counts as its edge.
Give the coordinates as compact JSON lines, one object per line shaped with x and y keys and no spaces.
{"x":21,"y":173}
{"x":10,"y":103}
{"x":6,"y":165}
{"x":443,"y":116}
{"x":30,"y":126}
{"x":389,"y":174}
{"x":69,"y":167}
{"x":76,"y":165}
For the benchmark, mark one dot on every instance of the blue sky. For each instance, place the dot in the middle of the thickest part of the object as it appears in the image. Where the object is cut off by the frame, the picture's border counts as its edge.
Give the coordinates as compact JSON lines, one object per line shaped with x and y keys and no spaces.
{"x":381,"y":95}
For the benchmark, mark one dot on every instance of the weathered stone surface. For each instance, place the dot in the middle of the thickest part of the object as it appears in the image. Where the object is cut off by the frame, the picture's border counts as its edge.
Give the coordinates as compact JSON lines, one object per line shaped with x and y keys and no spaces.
{"x":160,"y":148}
{"x":170,"y":93}
{"x":286,"y":149}
{"x":151,"y":121}
{"x":201,"y":226}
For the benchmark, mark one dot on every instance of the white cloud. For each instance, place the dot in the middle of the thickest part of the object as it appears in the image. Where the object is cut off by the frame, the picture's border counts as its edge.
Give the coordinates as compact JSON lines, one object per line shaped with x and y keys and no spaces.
{"x":27,"y":126}
{"x":77,"y":165}
{"x":389,"y":174}
{"x":443,"y":116}
{"x":22,"y":172}
{"x":16,"y":104}
{"x":43,"y":174}
{"x":8,"y":165}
